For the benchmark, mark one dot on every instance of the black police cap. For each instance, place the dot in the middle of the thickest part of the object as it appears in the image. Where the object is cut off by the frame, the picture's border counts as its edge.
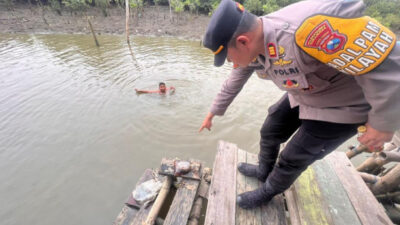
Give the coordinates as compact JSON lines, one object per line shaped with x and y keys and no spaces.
{"x":221,"y":28}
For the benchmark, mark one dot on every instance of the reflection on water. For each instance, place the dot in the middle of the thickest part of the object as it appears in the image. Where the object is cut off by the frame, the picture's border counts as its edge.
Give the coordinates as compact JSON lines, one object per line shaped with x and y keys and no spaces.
{"x":74,"y":135}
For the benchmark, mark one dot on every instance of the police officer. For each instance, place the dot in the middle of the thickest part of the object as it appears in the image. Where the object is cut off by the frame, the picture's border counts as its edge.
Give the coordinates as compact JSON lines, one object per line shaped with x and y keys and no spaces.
{"x":338,"y":68}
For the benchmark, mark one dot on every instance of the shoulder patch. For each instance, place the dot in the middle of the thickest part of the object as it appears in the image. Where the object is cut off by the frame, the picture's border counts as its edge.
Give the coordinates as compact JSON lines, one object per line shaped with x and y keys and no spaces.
{"x":354,"y":46}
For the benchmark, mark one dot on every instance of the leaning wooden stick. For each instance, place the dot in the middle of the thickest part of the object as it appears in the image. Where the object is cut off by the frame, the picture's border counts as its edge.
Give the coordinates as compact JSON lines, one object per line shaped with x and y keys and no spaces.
{"x":94,"y":35}
{"x":155,"y":209}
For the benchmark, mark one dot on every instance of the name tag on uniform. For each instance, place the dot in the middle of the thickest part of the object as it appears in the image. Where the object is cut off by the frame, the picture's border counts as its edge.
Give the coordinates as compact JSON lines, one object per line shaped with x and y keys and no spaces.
{"x":354,"y":46}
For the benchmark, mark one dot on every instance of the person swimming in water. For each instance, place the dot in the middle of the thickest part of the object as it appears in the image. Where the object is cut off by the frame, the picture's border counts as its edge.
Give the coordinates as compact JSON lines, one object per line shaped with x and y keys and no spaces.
{"x":162,"y":89}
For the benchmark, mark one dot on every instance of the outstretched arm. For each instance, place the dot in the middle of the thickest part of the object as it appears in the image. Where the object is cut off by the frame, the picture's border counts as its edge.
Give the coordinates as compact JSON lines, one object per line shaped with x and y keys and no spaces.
{"x":207,"y":122}
{"x":230,"y":89}
{"x":145,"y":91}
{"x":381,"y":88}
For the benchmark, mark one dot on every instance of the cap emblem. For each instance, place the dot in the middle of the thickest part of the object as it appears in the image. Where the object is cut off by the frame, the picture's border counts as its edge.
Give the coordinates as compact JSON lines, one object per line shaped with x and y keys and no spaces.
{"x":239,"y":6}
{"x":219,"y":50}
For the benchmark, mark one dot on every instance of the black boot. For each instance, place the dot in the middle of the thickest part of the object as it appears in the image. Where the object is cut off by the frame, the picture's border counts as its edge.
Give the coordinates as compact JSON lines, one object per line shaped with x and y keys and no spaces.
{"x":260,"y":171}
{"x":256,"y":198}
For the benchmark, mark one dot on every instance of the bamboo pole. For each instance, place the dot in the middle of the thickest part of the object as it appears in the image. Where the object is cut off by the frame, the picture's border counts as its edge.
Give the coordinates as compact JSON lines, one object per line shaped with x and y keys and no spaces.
{"x":369,"y":178}
{"x":353,"y":151}
{"x":392,"y":156}
{"x":388,"y":182}
{"x":155,"y":209}
{"x":127,"y":20}
{"x":374,"y":163}
{"x":94,"y":35}
{"x":370,"y":165}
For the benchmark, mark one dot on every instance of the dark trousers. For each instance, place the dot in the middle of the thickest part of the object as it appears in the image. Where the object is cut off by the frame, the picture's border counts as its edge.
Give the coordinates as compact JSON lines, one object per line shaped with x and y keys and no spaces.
{"x":312,"y":141}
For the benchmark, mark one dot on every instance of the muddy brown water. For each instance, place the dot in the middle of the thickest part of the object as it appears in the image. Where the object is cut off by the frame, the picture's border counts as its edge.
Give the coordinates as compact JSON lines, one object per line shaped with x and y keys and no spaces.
{"x":75,"y":137}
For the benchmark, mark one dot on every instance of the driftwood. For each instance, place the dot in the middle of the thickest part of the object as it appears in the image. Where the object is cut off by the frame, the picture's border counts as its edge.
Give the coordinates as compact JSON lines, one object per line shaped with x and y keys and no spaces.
{"x":151,"y":218}
{"x":388,"y":182}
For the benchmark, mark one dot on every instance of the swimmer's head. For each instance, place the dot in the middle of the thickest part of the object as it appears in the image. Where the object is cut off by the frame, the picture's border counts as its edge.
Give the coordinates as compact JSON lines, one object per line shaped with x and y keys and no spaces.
{"x":162,"y":87}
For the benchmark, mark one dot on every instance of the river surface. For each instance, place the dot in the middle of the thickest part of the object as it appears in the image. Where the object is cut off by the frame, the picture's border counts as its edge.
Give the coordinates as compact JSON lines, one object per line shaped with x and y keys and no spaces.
{"x":75,"y":137}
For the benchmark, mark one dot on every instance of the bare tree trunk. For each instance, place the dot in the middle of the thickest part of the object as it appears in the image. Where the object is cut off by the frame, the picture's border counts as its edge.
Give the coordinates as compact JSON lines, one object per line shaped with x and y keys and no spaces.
{"x":170,"y":11}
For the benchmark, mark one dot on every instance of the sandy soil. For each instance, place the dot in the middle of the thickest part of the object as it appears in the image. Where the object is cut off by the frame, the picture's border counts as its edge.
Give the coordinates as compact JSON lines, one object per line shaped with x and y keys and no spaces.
{"x":152,"y":21}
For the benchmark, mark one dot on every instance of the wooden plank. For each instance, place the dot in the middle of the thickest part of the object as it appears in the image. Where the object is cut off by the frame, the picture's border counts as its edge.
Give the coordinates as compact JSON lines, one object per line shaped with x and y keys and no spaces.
{"x":294,"y":215}
{"x":252,"y":183}
{"x":241,"y":214}
{"x":367,"y":207}
{"x":272,"y":213}
{"x":125,"y":216}
{"x":311,"y":207}
{"x":141,"y":216}
{"x":333,"y":193}
{"x":222,"y":194}
{"x":127,"y":213}
{"x":147,"y":175}
{"x":181,"y":206}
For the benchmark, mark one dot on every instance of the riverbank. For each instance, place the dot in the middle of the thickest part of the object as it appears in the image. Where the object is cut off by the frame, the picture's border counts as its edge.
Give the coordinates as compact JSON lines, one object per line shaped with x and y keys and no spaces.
{"x":153,"y":20}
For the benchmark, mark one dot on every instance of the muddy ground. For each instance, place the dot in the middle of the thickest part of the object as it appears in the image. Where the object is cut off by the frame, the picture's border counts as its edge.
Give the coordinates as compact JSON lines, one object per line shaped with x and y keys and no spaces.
{"x":151,"y":21}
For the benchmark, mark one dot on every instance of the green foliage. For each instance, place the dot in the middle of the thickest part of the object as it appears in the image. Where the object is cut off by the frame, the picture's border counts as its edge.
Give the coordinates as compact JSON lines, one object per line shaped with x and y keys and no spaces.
{"x":385,"y":11}
{"x":177,"y":5}
{"x":74,"y":4}
{"x":161,"y":2}
{"x":254,"y":6}
{"x":136,"y":4}
{"x":270,"y":6}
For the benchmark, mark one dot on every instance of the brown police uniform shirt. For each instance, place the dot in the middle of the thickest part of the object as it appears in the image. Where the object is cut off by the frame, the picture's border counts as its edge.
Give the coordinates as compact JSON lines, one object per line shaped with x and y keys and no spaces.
{"x":321,"y":91}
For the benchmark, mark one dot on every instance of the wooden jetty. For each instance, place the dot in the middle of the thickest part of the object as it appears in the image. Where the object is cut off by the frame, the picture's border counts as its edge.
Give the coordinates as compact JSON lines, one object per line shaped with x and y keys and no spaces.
{"x":330,"y":191}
